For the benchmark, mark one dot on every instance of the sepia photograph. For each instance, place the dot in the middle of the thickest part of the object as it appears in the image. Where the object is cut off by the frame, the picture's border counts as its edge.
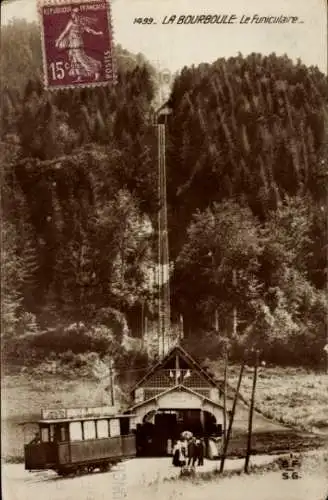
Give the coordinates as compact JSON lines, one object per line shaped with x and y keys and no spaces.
{"x":164,"y":249}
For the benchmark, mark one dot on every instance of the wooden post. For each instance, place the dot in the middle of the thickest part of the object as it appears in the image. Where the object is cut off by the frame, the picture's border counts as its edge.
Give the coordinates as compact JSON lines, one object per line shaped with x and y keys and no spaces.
{"x":225,"y":395}
{"x":234,"y":312}
{"x":251,"y":412}
{"x":226,"y":441}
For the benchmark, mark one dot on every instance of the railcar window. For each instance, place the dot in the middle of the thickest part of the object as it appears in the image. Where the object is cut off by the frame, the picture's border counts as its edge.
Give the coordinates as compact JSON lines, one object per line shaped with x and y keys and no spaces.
{"x":75,"y":431}
{"x":52,"y":432}
{"x":63,"y":433}
{"x":44,"y":434}
{"x":114,"y":427}
{"x":89,"y":427}
{"x":102,"y":428}
{"x":124,"y":426}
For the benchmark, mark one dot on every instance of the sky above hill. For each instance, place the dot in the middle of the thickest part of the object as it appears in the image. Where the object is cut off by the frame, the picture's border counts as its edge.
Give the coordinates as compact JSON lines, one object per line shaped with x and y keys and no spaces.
{"x":174,"y":45}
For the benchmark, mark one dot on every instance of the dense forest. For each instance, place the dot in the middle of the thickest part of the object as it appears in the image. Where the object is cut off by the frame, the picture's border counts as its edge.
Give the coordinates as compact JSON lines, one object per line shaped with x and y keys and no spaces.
{"x":248,"y":203}
{"x":247,"y":164}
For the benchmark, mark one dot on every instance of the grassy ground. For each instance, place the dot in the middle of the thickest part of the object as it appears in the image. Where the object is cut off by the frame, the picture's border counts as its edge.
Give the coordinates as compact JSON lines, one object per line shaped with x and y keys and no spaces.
{"x":23,"y":396}
{"x":309,"y":462}
{"x":288,"y":395}
{"x":265,"y":483}
{"x":275,"y":442}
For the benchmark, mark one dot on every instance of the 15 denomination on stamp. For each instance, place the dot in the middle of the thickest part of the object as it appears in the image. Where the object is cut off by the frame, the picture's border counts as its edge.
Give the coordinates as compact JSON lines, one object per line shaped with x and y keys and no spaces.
{"x":77,"y":43}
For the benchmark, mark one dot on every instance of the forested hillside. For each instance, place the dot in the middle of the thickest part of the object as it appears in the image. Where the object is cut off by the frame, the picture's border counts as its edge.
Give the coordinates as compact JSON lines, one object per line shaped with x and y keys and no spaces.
{"x":248,"y":170}
{"x":78,"y":200}
{"x":247,"y":164}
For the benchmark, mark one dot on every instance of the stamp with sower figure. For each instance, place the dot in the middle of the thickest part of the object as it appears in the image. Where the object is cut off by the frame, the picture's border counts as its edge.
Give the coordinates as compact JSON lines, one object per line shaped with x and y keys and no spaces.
{"x":77,"y":43}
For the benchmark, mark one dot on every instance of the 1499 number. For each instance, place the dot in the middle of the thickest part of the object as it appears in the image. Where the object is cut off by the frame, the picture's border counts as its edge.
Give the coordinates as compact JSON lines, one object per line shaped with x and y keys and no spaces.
{"x":143,"y":20}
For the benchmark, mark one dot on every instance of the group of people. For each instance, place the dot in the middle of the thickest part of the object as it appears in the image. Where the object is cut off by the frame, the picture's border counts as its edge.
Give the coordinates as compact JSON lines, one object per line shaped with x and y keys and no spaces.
{"x":188,"y":452}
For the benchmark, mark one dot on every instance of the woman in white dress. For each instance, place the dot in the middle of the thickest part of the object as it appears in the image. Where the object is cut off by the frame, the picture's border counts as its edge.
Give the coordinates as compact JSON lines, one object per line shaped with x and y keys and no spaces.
{"x":179,"y":454}
{"x":71,"y":39}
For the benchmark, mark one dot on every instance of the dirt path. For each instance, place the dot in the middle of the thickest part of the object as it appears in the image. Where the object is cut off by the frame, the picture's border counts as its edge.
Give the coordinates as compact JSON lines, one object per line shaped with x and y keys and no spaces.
{"x":146,"y":479}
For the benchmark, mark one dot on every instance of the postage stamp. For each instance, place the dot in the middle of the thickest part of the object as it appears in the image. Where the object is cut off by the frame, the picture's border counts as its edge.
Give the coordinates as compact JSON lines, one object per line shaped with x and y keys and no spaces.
{"x":77,"y":43}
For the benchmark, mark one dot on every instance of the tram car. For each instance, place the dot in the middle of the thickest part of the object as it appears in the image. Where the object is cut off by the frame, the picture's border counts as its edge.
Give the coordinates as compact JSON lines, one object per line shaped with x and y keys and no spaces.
{"x":76,"y":441}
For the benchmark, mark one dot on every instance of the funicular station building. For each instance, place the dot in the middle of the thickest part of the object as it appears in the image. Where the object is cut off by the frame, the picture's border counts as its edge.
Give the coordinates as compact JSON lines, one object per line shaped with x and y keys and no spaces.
{"x":176,"y":395}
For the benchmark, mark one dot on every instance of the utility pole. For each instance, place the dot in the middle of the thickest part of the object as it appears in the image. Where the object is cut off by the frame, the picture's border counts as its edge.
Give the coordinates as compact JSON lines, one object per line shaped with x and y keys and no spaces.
{"x":234,"y":312}
{"x":226,"y":441}
{"x":225,"y":394}
{"x":216,"y":313}
{"x":111,"y":382}
{"x":251,"y":412}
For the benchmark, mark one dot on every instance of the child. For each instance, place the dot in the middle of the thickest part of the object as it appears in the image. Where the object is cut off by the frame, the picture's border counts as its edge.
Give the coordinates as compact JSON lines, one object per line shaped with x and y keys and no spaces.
{"x":178,"y":454}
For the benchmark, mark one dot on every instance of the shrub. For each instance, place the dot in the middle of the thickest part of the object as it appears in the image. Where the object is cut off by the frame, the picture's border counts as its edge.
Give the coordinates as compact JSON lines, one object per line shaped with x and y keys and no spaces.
{"x":206,"y":345}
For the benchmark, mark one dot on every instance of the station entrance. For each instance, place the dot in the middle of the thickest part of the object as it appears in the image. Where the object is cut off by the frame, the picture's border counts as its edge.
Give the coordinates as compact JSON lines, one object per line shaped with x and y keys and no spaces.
{"x":161,"y":426}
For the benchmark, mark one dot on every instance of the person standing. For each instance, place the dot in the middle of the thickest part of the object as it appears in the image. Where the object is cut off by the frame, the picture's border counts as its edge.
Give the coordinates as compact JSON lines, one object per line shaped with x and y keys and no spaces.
{"x":178,"y":454}
{"x":192,"y":452}
{"x":201,"y":451}
{"x":36,"y":439}
{"x":184,"y":449}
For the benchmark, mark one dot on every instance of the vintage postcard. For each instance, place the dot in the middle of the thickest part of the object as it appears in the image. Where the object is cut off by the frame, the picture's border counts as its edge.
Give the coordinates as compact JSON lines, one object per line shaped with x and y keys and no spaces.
{"x":164,"y":249}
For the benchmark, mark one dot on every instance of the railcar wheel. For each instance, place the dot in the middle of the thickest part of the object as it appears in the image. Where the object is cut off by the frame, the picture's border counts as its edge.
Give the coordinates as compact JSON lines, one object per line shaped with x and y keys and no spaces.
{"x":90,"y":468}
{"x":104,"y":467}
{"x":63,"y":472}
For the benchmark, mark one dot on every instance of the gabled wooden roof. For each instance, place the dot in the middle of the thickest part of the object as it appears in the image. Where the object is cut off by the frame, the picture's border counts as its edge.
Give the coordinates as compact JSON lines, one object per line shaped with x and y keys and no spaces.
{"x":178,"y":387}
{"x":188,"y":359}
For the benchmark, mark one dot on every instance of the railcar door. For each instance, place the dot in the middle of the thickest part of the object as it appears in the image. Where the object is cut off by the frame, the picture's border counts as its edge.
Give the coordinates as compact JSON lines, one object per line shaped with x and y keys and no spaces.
{"x":49,"y":438}
{"x":128,"y":438}
{"x":41,"y":452}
